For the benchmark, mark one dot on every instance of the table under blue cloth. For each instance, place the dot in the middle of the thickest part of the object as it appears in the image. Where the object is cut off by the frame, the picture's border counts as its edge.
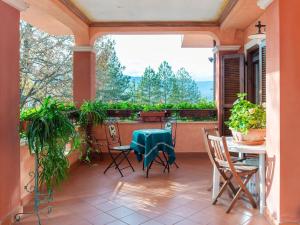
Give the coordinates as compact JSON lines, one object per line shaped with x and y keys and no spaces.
{"x":149,"y":142}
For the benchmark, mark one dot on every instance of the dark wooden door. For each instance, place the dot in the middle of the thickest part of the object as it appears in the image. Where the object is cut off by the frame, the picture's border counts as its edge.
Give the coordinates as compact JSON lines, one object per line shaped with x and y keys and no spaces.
{"x":252,"y":77}
{"x":255,"y":84}
{"x":232,"y":83}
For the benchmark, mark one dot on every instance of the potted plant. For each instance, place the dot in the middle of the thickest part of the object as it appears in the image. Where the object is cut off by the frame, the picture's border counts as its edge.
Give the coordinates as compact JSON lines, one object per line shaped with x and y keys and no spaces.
{"x":24,"y":116}
{"x":120,"y":109}
{"x":247,"y":121}
{"x":152,"y":116}
{"x":153,"y":113}
{"x":48,"y":132}
{"x":202,"y":109}
{"x":92,"y":113}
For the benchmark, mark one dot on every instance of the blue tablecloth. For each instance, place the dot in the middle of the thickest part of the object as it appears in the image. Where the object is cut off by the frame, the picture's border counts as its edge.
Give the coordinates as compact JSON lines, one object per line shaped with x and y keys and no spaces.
{"x":149,"y":142}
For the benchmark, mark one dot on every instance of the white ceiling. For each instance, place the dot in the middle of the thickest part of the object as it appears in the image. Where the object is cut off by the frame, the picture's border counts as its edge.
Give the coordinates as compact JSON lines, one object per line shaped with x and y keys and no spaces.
{"x":151,"y":10}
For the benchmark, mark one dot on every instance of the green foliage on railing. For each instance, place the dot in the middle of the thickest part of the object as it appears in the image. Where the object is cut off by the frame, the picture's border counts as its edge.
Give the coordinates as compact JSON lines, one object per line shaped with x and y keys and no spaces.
{"x":97,"y":110}
{"x":92,"y":105}
{"x":202,"y":104}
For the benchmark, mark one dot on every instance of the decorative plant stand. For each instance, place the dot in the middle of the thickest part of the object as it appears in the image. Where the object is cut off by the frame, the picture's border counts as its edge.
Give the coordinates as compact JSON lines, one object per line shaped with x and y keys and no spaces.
{"x":39,"y":198}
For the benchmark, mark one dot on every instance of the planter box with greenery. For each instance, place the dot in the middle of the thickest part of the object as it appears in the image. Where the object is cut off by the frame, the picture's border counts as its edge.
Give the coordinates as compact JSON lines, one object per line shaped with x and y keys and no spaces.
{"x":247,"y":122}
{"x":198,"y":113}
{"x":123,"y":113}
{"x":153,"y":116}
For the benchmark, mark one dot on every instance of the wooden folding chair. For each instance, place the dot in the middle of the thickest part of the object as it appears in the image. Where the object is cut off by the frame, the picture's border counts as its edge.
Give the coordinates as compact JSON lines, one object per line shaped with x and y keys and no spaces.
{"x":206,"y":132}
{"x":238,"y":172}
{"x":115,"y":146}
{"x":212,"y":154}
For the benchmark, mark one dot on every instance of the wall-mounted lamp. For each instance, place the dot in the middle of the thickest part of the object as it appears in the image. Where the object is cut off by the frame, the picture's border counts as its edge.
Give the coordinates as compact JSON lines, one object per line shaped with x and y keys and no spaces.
{"x":259,"y":35}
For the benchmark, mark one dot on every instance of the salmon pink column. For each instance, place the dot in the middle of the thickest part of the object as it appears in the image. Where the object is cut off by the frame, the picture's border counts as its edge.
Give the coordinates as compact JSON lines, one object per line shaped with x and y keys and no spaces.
{"x":9,"y":109}
{"x":84,"y":74}
{"x":289,"y":35}
{"x":283,"y":110}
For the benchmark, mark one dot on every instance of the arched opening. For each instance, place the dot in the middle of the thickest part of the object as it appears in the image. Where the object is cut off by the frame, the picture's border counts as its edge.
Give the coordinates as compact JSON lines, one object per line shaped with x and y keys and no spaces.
{"x":134,"y":57}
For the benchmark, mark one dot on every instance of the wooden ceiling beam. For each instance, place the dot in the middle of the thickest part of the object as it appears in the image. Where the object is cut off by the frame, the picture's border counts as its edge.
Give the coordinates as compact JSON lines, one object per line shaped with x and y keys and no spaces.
{"x":74,"y":9}
{"x":155,"y":24}
{"x":230,"y":5}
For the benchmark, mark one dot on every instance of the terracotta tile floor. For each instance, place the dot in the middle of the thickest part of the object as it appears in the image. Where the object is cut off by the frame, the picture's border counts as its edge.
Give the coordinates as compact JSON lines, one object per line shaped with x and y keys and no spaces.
{"x":89,"y":197}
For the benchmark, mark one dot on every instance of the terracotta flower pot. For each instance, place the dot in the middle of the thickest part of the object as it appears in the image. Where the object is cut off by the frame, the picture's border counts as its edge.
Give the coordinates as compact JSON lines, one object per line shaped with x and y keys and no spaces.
{"x":23,"y":126}
{"x":198,"y":113}
{"x":119,"y":113}
{"x":152,"y":116}
{"x":253,"y":137}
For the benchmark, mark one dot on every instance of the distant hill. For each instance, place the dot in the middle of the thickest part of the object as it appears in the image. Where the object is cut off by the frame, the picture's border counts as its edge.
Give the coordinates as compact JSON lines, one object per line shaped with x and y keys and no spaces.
{"x":137,"y":80}
{"x":206,"y":87}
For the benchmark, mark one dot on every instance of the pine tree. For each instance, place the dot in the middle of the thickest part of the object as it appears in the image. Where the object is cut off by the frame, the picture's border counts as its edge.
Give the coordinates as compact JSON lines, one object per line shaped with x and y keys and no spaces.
{"x":112,"y":84}
{"x":188,"y":90}
{"x":167,"y":77}
{"x":150,"y":86}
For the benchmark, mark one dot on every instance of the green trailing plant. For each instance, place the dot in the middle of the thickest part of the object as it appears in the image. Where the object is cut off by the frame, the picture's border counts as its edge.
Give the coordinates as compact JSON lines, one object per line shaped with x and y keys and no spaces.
{"x":65,"y":107}
{"x":123,"y":105}
{"x":91,"y":113}
{"x":246,"y":115}
{"x":48,"y":132}
{"x":202,"y":104}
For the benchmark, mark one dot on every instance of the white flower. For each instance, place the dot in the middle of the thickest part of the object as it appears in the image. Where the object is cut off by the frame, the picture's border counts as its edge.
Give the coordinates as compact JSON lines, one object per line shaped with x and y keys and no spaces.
{"x":251,"y":111}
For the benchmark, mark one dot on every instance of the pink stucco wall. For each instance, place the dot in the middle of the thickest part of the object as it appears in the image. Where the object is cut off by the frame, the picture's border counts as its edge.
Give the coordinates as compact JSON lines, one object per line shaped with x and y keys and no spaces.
{"x":273,"y":112}
{"x":188,"y":138}
{"x":283,"y":108}
{"x":271,"y":19}
{"x":289,"y":35}
{"x":9,"y":111}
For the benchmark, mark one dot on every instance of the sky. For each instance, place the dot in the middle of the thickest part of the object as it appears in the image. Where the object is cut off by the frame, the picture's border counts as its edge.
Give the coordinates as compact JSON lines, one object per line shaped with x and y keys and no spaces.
{"x":136,"y":52}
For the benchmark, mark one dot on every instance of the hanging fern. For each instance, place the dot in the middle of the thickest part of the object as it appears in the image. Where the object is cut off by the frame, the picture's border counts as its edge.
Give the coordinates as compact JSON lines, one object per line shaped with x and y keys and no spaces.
{"x":48,"y":132}
{"x":92,"y":112}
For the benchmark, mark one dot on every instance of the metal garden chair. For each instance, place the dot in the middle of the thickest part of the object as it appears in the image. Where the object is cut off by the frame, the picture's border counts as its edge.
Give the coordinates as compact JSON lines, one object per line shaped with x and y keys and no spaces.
{"x":171,"y":124}
{"x":116,"y":150}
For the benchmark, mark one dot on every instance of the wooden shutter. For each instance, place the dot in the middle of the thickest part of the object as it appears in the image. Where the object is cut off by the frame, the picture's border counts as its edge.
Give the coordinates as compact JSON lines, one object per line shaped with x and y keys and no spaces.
{"x":232,"y":84}
{"x":263,"y":73}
